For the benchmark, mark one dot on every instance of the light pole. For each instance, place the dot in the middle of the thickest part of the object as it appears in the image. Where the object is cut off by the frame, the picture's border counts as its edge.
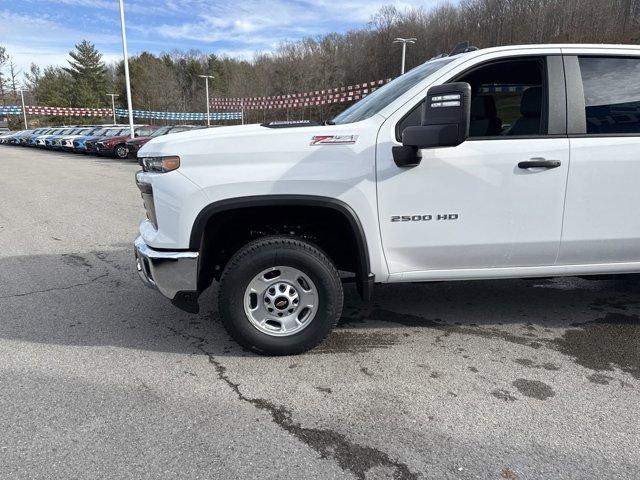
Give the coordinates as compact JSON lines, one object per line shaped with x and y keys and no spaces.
{"x":404,"y":42}
{"x":206,"y":88}
{"x":126,"y":68}
{"x":24,"y":110}
{"x":113,"y":106}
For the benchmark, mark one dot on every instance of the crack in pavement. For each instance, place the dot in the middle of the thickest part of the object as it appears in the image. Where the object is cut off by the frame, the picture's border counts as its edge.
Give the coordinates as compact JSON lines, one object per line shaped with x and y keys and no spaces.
{"x":357,"y":459}
{"x":68,"y":287}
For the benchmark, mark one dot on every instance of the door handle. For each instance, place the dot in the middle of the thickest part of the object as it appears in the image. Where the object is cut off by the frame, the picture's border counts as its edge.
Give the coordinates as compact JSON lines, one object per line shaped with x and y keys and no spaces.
{"x":539,"y":163}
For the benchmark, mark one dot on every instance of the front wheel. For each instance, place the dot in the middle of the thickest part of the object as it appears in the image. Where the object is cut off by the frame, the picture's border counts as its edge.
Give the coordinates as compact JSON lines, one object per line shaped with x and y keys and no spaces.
{"x":280,"y":296}
{"x":121,"y":152}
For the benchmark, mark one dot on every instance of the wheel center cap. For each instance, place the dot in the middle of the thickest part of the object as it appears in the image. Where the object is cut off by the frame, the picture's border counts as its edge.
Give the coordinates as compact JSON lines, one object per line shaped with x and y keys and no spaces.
{"x":281,"y":303}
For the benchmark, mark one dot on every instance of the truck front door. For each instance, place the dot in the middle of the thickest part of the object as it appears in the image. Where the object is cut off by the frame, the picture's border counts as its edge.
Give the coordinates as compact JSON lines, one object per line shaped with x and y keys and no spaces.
{"x":476,"y":206}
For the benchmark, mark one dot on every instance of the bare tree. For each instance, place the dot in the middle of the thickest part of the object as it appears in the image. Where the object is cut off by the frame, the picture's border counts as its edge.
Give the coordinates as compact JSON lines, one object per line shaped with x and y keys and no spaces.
{"x":170,"y":81}
{"x":4,"y":58}
{"x":14,"y":72}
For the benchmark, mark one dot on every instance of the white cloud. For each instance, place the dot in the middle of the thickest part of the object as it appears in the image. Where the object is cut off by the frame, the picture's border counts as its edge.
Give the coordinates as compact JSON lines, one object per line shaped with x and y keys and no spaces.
{"x":225,"y":27}
{"x":41,"y":30}
{"x":143,"y":7}
{"x":240,"y":53}
{"x":45,"y":42}
{"x":244,"y":26}
{"x":255,"y":22}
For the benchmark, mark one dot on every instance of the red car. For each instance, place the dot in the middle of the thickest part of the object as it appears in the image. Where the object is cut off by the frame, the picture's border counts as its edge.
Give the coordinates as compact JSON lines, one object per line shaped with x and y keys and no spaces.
{"x":117,"y":146}
{"x":134,"y":144}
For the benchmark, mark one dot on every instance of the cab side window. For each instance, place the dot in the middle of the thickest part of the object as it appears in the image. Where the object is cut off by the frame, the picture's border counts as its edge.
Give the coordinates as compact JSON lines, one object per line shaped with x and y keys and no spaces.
{"x":612,"y":94}
{"x":509,"y":98}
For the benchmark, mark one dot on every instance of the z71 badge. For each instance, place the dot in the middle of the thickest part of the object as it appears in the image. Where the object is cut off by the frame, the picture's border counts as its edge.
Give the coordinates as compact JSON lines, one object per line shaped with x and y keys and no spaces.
{"x":334,"y":140}
{"x":424,"y":218}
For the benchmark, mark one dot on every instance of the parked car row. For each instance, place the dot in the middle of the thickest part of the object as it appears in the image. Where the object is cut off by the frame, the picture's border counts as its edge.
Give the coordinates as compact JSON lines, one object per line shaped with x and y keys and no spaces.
{"x":105,"y":140}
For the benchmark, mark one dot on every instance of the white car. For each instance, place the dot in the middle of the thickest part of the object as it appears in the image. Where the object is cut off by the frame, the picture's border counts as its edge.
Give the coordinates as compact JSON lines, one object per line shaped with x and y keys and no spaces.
{"x":41,"y":139}
{"x":507,"y":162}
{"x":6,"y":135}
{"x":66,"y":142}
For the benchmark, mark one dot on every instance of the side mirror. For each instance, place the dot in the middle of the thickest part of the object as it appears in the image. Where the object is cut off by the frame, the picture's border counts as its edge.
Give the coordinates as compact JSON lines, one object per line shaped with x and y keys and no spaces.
{"x":445,"y":123}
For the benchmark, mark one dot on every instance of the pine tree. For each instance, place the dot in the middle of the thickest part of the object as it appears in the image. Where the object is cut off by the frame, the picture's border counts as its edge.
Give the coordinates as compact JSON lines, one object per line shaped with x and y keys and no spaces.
{"x":89,"y":76}
{"x":55,"y":88}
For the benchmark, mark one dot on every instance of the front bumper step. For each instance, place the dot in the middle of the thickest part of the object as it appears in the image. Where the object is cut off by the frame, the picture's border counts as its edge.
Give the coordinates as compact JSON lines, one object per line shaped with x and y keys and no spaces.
{"x":172,"y":273}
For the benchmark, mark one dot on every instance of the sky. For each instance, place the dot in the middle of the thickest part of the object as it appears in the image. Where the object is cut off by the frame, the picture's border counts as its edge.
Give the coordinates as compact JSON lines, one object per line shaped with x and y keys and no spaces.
{"x":44,"y":31}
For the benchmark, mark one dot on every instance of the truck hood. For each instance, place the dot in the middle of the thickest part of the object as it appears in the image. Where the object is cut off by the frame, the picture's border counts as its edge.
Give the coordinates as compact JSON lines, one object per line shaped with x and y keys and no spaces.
{"x":240,"y":137}
{"x":204,"y":133}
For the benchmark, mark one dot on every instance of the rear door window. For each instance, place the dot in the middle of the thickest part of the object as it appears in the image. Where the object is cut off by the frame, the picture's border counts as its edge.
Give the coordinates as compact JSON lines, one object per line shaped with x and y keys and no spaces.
{"x":611,"y":94}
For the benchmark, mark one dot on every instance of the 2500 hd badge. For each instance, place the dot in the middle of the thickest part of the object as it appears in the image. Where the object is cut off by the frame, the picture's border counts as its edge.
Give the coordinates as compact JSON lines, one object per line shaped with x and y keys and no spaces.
{"x":424,"y":218}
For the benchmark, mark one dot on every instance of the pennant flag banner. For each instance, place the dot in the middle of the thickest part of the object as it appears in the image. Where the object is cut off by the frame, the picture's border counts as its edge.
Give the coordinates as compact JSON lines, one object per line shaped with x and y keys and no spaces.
{"x":318,"y":97}
{"x":68,"y":111}
{"x":121,"y":112}
{"x":10,"y":110}
{"x":329,"y":96}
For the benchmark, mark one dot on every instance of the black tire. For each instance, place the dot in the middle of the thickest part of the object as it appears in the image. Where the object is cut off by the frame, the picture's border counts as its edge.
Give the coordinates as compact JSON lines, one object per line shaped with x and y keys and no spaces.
{"x":268,"y":252}
{"x":120,"y":151}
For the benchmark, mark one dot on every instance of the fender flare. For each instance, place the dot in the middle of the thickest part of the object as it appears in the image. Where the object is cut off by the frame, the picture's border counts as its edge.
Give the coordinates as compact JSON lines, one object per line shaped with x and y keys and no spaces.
{"x":364,"y":276}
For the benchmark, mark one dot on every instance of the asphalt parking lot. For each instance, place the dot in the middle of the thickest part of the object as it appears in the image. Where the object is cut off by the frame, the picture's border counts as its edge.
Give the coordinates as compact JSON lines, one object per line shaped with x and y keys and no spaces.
{"x":102,"y":378}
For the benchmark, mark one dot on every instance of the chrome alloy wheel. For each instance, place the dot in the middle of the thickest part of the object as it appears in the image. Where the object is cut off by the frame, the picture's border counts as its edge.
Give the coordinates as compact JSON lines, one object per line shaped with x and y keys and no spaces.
{"x":121,"y":151}
{"x":281,"y":301}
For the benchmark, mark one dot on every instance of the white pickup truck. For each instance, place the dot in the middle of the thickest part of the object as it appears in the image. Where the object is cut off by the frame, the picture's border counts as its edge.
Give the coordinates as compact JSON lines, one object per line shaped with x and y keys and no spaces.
{"x":507,"y":162}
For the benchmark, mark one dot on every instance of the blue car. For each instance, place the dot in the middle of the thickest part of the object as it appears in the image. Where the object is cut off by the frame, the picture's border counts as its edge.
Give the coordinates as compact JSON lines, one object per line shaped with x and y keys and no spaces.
{"x":17,"y":138}
{"x":30,"y":140}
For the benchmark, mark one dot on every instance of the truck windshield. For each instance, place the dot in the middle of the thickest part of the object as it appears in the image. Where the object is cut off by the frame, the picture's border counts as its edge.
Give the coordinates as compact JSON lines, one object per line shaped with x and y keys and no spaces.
{"x":376,"y":101}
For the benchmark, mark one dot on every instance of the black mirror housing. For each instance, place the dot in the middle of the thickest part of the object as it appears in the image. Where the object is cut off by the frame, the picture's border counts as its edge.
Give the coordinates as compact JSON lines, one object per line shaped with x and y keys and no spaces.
{"x":405,"y":156}
{"x":430,"y":136}
{"x":445,"y":121}
{"x":448,"y":103}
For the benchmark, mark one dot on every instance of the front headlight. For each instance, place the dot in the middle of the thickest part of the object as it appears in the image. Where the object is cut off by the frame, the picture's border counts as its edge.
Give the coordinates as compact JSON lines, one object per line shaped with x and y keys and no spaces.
{"x":159,"y":164}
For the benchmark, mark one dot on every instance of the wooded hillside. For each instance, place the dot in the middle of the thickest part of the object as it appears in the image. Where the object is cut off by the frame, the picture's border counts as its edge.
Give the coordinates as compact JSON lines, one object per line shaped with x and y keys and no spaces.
{"x":169,"y":82}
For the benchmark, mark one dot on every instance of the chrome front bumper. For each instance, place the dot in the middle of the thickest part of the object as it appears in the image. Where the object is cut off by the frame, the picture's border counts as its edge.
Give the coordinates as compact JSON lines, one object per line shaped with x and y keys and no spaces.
{"x":174,"y":274}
